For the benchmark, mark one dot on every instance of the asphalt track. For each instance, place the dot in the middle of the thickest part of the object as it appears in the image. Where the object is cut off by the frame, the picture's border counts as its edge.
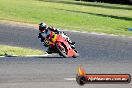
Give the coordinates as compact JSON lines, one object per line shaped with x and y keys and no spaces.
{"x":98,"y":54}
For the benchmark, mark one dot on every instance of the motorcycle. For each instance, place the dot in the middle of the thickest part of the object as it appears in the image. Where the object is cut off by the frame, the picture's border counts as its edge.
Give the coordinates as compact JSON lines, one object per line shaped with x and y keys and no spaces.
{"x":60,"y":45}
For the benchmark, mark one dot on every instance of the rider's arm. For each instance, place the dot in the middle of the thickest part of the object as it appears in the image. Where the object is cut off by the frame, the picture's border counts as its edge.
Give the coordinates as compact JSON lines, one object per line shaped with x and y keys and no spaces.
{"x":43,"y":40}
{"x":57,"y":31}
{"x":40,"y":37}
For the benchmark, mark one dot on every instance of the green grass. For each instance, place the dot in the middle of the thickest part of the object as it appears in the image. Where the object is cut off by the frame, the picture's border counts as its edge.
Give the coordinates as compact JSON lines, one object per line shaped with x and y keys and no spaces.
{"x":70,"y":14}
{"x":11,"y":50}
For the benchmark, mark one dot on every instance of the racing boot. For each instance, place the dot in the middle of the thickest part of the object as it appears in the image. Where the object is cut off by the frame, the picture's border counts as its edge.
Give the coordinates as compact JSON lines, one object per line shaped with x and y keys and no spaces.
{"x":71,"y":43}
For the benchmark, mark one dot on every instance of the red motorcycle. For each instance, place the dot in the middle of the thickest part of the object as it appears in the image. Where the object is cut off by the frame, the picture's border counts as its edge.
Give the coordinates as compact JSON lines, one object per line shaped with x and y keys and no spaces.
{"x":60,"y":45}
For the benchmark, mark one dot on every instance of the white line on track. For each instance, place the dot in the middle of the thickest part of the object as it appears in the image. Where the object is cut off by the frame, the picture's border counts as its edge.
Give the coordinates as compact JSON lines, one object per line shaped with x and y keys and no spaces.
{"x":2,"y":56}
{"x":101,"y":34}
{"x":27,"y":55}
{"x":70,"y":79}
{"x":37,"y":55}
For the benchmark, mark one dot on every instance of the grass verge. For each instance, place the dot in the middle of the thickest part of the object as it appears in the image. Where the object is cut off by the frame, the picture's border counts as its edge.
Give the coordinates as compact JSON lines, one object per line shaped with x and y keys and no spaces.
{"x":70,"y":14}
{"x":11,"y":50}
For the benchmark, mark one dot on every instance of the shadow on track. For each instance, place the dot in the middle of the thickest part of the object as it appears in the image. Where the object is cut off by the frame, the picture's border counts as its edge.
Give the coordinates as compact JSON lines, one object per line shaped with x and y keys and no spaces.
{"x":50,"y":57}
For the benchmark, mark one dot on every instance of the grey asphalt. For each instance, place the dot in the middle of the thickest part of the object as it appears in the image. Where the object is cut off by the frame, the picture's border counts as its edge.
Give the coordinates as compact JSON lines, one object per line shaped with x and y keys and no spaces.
{"x":98,"y":54}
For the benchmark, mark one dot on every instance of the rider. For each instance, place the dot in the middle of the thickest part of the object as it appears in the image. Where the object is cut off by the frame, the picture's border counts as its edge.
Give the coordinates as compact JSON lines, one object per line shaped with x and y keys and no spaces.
{"x":44,"y":32}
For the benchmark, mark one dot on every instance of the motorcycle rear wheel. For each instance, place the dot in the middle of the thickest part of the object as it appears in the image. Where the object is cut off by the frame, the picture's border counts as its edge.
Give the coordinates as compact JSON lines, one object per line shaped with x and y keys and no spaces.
{"x":62,"y":53}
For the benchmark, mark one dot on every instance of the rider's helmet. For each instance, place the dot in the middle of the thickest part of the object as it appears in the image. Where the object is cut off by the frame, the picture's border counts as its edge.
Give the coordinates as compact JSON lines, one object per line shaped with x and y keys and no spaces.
{"x":42,"y":27}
